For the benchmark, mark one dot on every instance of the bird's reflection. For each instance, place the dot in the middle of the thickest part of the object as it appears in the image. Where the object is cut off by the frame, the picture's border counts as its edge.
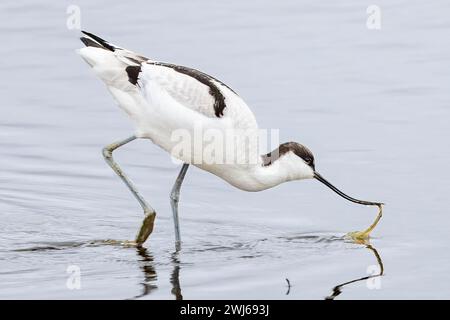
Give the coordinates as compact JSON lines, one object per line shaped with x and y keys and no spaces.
{"x":337,"y":290}
{"x":147,"y":266}
{"x":175,"y":277}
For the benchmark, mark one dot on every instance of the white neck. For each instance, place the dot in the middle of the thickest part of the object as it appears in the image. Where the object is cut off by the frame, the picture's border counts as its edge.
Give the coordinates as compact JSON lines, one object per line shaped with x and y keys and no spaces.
{"x":259,"y":177}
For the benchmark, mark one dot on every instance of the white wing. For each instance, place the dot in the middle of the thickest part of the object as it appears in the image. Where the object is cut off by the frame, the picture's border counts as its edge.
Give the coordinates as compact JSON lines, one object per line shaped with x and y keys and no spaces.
{"x":121,"y":70}
{"x":162,"y":97}
{"x":197,"y":91}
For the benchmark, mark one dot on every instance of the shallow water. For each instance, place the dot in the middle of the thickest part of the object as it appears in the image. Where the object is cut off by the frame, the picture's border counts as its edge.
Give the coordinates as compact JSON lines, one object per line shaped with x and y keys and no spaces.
{"x":372,"y":105}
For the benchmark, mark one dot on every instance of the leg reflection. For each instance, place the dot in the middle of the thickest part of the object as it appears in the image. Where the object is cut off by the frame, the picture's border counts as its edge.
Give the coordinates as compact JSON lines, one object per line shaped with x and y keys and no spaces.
{"x":146,"y":264}
{"x":337,"y":290}
{"x":175,"y":277}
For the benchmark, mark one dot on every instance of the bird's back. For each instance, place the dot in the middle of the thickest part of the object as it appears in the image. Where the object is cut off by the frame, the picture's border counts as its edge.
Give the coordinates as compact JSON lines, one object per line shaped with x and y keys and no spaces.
{"x":165,"y":99}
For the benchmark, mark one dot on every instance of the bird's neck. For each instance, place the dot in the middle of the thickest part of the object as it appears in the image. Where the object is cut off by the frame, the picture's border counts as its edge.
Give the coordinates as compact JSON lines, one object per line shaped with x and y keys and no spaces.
{"x":258,"y":176}
{"x":263,"y":174}
{"x":277,"y":172}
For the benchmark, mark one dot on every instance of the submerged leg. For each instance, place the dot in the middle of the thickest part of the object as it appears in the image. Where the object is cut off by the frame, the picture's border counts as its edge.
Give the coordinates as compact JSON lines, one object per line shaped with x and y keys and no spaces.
{"x":174,"y":199}
{"x":149,"y":212}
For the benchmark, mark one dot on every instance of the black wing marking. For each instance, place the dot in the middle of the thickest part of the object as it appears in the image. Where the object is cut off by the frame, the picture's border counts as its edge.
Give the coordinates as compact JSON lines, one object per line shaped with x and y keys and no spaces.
{"x":214,"y":91}
{"x":103,"y":43}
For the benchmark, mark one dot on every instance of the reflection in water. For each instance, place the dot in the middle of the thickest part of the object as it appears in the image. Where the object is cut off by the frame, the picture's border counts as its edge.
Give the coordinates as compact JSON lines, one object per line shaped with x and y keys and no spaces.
{"x":146,"y":264}
{"x":289,"y":286}
{"x":145,"y":260}
{"x":337,"y":290}
{"x":175,"y":277}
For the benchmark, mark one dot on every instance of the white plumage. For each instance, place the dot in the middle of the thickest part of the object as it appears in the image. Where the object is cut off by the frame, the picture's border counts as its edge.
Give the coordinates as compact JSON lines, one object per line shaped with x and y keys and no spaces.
{"x":165,"y":100}
{"x":169,"y":102}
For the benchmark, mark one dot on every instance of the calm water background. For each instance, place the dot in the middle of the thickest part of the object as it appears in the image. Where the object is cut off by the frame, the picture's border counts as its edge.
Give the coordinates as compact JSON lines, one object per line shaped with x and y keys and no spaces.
{"x":374,"y":107}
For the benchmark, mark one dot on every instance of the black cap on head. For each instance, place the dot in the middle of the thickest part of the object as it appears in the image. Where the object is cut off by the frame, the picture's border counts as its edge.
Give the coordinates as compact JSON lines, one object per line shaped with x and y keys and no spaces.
{"x":297,"y":148}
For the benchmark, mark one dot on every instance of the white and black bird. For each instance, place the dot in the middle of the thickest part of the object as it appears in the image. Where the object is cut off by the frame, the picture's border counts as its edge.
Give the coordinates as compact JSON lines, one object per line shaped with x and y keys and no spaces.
{"x":161,"y":98}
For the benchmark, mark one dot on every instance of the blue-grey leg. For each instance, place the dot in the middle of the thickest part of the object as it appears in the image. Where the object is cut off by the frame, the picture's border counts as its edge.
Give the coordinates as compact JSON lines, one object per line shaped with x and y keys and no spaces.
{"x":149,"y":213}
{"x":174,"y":199}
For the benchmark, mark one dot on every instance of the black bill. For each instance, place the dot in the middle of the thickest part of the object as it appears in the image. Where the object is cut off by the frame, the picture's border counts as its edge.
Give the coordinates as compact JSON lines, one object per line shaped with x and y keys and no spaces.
{"x":343,"y":195}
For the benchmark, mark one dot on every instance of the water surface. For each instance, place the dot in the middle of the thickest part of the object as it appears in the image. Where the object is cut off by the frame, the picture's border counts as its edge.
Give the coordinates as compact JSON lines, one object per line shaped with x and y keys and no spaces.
{"x":372,"y":105}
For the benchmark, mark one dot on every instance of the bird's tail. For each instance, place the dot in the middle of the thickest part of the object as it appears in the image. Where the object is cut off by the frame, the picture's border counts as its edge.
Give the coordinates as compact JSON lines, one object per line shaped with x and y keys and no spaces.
{"x":108,"y":60}
{"x":93,"y":43}
{"x":91,"y":40}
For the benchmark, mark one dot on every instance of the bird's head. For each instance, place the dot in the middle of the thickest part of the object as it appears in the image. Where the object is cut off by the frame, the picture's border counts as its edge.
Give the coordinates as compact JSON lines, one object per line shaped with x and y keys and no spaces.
{"x":297,"y":162}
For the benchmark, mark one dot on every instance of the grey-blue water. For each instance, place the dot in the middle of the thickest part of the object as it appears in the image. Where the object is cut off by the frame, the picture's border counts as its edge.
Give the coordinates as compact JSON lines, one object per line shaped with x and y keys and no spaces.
{"x":373,"y":105}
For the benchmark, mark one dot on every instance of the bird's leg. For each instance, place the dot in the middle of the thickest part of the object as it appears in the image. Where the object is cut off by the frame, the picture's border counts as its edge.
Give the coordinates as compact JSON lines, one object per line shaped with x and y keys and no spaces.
{"x":149,"y":212}
{"x":174,"y":198}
